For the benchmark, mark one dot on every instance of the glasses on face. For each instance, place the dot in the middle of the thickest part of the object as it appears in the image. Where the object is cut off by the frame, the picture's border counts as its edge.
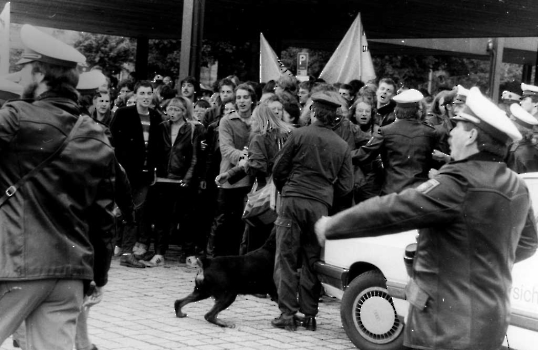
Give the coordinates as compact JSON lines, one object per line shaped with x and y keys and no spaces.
{"x":124,"y":91}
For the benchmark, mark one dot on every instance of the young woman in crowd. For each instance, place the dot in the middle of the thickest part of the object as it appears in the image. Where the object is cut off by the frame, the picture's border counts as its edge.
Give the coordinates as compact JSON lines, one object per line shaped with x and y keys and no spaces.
{"x":176,"y":151}
{"x":268,"y":134}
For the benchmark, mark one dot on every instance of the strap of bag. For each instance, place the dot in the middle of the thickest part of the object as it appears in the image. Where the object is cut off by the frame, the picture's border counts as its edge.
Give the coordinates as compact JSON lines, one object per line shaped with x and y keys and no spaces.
{"x":13,"y":188}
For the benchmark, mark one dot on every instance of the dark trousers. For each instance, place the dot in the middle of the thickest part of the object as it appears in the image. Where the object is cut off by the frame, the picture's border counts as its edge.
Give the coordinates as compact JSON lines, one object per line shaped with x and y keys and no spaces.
{"x":227,"y":230}
{"x":167,"y":205}
{"x":127,"y":233}
{"x":296,"y":242}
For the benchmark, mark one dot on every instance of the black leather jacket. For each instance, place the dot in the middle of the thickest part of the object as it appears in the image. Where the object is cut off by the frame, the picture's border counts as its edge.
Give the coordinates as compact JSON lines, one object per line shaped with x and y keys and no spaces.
{"x":476,"y":221}
{"x":59,"y":224}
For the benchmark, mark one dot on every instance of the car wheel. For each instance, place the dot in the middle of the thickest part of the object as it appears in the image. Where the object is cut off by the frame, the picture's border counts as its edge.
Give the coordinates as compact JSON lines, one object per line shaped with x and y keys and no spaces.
{"x":368,"y":314}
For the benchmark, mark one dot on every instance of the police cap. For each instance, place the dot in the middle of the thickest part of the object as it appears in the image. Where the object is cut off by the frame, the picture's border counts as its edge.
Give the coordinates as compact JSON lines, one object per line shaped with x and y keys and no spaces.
{"x":42,"y":47}
{"x":461,"y":95}
{"x":325,"y":99}
{"x":522,"y":117}
{"x":510,"y":96}
{"x":529,"y":90}
{"x":90,"y":81}
{"x":485,"y":115}
{"x":408,"y":98}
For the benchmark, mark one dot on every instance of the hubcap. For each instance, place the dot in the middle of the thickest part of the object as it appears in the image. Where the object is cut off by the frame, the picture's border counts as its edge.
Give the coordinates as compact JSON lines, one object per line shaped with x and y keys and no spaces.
{"x":375,"y":316}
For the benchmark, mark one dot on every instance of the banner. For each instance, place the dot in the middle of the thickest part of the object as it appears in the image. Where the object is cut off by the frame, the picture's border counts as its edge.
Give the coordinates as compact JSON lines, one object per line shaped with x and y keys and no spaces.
{"x":269,"y":66}
{"x":352,"y":59}
{"x":5,"y":23}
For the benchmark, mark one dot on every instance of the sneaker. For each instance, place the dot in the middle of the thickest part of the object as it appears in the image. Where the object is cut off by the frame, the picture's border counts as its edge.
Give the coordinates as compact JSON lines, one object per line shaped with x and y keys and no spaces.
{"x":157,"y":260}
{"x":287,"y":323}
{"x":129,"y":260}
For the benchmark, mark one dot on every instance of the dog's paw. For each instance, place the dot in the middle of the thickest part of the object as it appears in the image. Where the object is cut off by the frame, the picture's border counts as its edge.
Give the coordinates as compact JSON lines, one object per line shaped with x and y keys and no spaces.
{"x":177,"y":309}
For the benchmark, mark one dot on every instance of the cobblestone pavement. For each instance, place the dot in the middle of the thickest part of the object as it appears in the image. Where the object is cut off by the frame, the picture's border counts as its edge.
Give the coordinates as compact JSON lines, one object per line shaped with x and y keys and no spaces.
{"x":137,"y":313}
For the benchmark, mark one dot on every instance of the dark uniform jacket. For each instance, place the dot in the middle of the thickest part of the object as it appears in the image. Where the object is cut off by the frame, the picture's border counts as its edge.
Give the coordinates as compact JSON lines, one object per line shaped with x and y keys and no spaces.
{"x":59,"y":224}
{"x":128,"y":140}
{"x":476,"y":221}
{"x":406,"y":148}
{"x":523,"y":157}
{"x":315,"y":163}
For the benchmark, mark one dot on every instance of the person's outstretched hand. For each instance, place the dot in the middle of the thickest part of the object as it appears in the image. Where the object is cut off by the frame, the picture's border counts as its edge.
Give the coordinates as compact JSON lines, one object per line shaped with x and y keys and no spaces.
{"x":320,"y":228}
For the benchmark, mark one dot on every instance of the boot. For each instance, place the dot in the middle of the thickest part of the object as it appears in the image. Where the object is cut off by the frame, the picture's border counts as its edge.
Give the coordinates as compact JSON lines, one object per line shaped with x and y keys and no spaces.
{"x":129,"y":260}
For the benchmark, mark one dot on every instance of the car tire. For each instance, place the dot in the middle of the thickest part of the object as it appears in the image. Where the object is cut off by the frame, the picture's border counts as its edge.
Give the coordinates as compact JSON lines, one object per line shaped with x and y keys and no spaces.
{"x":369,"y":316}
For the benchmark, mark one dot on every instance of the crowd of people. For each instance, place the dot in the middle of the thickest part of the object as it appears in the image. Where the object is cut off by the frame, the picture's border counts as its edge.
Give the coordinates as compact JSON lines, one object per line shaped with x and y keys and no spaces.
{"x":173,"y":161}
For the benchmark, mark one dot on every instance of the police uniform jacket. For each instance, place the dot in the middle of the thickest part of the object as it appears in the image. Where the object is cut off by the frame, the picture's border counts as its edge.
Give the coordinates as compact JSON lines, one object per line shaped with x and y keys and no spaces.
{"x":315,"y":163}
{"x":130,"y":147}
{"x":476,"y":221}
{"x":406,"y":148}
{"x":59,"y":224}
{"x":523,"y":157}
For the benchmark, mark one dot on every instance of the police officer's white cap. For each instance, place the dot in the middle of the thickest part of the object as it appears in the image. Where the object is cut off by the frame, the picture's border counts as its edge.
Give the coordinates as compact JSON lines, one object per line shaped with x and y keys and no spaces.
{"x":510,"y":96}
{"x":487,"y":116}
{"x":522,"y":117}
{"x":408,"y":97}
{"x":461,"y":95}
{"x":529,"y":90}
{"x":90,"y":81}
{"x":42,"y":47}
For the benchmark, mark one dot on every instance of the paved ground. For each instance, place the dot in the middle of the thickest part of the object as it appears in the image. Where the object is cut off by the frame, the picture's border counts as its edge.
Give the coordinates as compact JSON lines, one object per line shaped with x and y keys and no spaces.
{"x":137,"y":313}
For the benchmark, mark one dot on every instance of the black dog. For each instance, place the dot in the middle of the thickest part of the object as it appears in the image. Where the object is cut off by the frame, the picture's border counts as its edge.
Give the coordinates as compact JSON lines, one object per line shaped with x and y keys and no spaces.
{"x":225,"y":277}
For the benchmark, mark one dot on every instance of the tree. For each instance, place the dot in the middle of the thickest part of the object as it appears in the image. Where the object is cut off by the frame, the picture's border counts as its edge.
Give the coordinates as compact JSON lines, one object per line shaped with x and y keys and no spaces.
{"x":108,"y":52}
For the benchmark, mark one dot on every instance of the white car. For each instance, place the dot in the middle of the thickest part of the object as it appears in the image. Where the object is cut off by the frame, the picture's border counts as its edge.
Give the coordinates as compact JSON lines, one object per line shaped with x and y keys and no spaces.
{"x":369,"y":276}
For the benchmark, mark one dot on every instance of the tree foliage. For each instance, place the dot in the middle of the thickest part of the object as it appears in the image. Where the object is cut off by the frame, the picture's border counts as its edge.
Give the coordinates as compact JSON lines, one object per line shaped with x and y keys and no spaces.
{"x":107,"y":51}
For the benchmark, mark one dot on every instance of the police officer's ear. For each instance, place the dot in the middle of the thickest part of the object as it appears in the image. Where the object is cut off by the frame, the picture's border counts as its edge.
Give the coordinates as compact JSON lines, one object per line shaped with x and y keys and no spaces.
{"x":473,"y":134}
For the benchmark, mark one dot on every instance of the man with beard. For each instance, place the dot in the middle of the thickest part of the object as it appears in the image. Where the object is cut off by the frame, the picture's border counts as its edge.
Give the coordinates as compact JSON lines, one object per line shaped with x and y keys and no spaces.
{"x":56,"y":221}
{"x":313,"y":168}
{"x":475,"y":219}
{"x":131,"y":129}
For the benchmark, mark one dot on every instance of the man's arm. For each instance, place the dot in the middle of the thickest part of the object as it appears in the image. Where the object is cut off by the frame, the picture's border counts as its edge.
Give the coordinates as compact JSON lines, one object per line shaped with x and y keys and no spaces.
{"x":101,"y":221}
{"x":370,"y":151}
{"x":394,"y":213}
{"x":528,"y":242}
{"x":344,"y":184}
{"x":283,"y":163}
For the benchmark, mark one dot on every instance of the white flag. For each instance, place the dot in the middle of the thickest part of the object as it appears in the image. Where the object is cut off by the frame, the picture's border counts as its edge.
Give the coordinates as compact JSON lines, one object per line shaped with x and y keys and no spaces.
{"x":352,"y":59}
{"x":269,"y":66}
{"x":5,"y":22}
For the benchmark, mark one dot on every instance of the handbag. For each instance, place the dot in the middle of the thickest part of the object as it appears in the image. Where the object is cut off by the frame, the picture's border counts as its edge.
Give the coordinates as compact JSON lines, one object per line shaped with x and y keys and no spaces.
{"x":261,"y":204}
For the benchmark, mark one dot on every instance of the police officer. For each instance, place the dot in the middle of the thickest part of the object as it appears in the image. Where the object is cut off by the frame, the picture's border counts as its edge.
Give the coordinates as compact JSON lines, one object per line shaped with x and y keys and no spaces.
{"x":405,"y":146}
{"x":523,"y":155}
{"x":475,"y":220}
{"x":314,"y":167}
{"x":57,"y":225}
